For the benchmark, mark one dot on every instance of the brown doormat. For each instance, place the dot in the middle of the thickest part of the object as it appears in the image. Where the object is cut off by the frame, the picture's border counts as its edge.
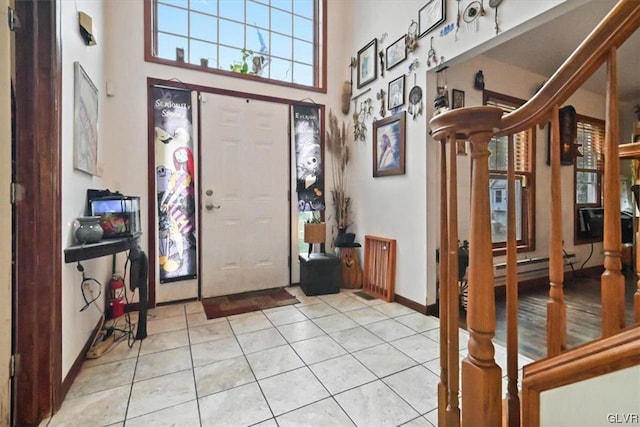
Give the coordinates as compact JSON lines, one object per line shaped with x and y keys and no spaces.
{"x":229,"y":305}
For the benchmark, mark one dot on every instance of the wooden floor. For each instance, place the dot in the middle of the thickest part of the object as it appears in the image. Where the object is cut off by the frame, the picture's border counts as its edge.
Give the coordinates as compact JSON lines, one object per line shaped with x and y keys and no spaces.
{"x":582,"y":297}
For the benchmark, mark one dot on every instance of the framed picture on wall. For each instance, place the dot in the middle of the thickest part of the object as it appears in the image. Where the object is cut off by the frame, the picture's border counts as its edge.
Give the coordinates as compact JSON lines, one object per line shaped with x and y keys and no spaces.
{"x":389,"y":145}
{"x":430,"y":16}
{"x":367,"y":63}
{"x":396,"y":92}
{"x":458,"y":98}
{"x":397,"y":52}
{"x":85,"y":122}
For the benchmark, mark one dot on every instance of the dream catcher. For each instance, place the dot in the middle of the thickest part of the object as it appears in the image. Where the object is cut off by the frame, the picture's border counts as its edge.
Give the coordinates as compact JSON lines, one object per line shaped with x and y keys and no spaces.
{"x":412,"y":37}
{"x":415,"y":94}
{"x":472,"y":12}
{"x":432,"y":56}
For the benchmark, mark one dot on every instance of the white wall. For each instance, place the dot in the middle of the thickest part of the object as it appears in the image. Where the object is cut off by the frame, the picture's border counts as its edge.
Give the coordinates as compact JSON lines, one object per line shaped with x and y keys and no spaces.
{"x":607,"y":399}
{"x":77,"y":326}
{"x":5,"y":215}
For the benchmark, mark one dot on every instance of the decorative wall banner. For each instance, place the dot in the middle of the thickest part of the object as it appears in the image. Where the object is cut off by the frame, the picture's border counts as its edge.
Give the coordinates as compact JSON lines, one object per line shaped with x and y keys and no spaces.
{"x":175,"y":184}
{"x":309,"y":165}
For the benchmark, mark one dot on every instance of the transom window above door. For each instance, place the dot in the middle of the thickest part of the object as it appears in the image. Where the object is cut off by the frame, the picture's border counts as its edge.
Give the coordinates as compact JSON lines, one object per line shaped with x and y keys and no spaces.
{"x":274,"y":40}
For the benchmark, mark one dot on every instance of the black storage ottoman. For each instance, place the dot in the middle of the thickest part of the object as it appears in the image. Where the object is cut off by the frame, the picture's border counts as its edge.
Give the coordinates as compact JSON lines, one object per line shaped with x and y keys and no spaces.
{"x":320,"y":274}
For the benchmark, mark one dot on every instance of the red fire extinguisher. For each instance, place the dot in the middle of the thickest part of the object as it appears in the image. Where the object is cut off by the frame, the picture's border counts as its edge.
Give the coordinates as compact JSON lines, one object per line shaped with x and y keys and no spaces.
{"x":116,"y":301}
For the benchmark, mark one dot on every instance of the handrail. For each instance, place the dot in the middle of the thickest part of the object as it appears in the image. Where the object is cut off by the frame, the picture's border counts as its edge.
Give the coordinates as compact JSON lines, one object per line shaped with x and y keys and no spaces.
{"x":581,"y":363}
{"x":622,"y":21}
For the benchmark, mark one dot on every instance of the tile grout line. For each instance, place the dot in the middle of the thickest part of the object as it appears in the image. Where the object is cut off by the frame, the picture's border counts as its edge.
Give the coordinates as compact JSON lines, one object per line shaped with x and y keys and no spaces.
{"x":193,"y":368}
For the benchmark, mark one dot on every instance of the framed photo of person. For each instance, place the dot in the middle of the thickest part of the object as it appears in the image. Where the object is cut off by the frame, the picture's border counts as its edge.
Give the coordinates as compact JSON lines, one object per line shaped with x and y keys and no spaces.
{"x":396,"y":92}
{"x":389,"y":145}
{"x":368,"y":63}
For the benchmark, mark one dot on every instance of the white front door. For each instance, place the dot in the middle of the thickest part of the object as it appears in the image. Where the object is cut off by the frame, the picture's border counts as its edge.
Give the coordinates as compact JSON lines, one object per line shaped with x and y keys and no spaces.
{"x":244,"y":195}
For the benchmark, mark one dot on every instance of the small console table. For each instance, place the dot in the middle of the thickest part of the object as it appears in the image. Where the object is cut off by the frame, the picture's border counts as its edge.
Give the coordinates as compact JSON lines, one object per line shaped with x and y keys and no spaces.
{"x":112,"y":247}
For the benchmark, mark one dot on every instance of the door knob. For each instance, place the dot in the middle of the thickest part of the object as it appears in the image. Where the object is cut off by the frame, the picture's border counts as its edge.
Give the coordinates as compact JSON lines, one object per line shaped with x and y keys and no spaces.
{"x":211,"y":206}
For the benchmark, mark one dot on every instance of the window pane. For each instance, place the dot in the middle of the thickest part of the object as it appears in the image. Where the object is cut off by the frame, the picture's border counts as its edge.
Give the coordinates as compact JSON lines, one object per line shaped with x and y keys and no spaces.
{"x":172,"y":20}
{"x":206,"y":6}
{"x":281,"y":46}
{"x":281,"y":22}
{"x":282,"y":4}
{"x":498,"y":158}
{"x":303,"y":8}
{"x":499,"y":197}
{"x":303,"y":217}
{"x":255,"y":39}
{"x":228,"y":56}
{"x":232,"y":9}
{"x":587,"y":188}
{"x":204,"y":27}
{"x":303,"y":28}
{"x":167,"y":45}
{"x":303,"y":52}
{"x":280,"y":69}
{"x":258,"y":14}
{"x":179,"y":3}
{"x":203,"y":50}
{"x":231,"y":33}
{"x":303,"y":74}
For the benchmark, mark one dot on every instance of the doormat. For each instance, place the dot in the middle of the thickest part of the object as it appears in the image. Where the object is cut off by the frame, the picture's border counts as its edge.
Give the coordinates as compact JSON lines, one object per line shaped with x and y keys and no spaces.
{"x":364,"y":295}
{"x":246,"y":302}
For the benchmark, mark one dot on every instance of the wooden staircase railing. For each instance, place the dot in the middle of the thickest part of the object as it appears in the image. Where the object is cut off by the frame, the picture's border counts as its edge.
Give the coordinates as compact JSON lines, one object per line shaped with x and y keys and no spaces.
{"x":481,"y":376}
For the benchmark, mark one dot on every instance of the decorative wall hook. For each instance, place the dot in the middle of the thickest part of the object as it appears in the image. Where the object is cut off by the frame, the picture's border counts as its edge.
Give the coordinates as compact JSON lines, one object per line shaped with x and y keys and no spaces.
{"x":380,"y":96}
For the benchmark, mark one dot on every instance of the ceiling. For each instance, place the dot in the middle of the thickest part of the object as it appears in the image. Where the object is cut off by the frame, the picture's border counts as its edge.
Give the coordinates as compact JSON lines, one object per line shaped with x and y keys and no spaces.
{"x":543,"y":49}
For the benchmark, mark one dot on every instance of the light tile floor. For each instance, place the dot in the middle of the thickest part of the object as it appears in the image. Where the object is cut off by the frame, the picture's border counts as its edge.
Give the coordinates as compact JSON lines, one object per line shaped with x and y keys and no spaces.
{"x":331,"y":360}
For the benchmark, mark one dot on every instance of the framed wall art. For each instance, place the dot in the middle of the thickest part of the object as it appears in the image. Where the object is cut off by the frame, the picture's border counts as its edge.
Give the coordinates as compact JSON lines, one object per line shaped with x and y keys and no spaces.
{"x":457,"y":98}
{"x":389,"y":145}
{"x":397,"y":52}
{"x":430,"y":16}
{"x":85,"y":131}
{"x":396,"y":92}
{"x":367,"y":63}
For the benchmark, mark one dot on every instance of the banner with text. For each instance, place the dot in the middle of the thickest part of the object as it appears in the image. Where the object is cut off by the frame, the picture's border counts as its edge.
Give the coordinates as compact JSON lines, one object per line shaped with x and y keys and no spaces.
{"x":173,"y":126}
{"x":309,"y":165}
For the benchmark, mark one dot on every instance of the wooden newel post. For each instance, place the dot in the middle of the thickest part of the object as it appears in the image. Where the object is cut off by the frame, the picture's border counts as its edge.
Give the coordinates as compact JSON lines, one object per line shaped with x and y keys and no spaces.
{"x":481,"y":376}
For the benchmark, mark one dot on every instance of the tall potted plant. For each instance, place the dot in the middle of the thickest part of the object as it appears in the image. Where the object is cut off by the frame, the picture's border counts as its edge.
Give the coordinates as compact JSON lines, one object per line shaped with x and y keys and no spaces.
{"x":339,"y":152}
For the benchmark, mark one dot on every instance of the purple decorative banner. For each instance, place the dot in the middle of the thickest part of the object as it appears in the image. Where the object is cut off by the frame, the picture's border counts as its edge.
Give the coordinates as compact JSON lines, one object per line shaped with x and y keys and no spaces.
{"x":177,"y":251}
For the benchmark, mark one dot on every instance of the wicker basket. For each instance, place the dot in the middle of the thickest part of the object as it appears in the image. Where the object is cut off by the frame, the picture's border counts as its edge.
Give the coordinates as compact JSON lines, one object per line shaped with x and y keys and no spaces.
{"x":315,"y":232}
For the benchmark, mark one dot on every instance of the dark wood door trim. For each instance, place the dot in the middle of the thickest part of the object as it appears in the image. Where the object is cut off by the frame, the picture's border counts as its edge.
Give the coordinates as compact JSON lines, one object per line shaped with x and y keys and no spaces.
{"x":38,"y":216}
